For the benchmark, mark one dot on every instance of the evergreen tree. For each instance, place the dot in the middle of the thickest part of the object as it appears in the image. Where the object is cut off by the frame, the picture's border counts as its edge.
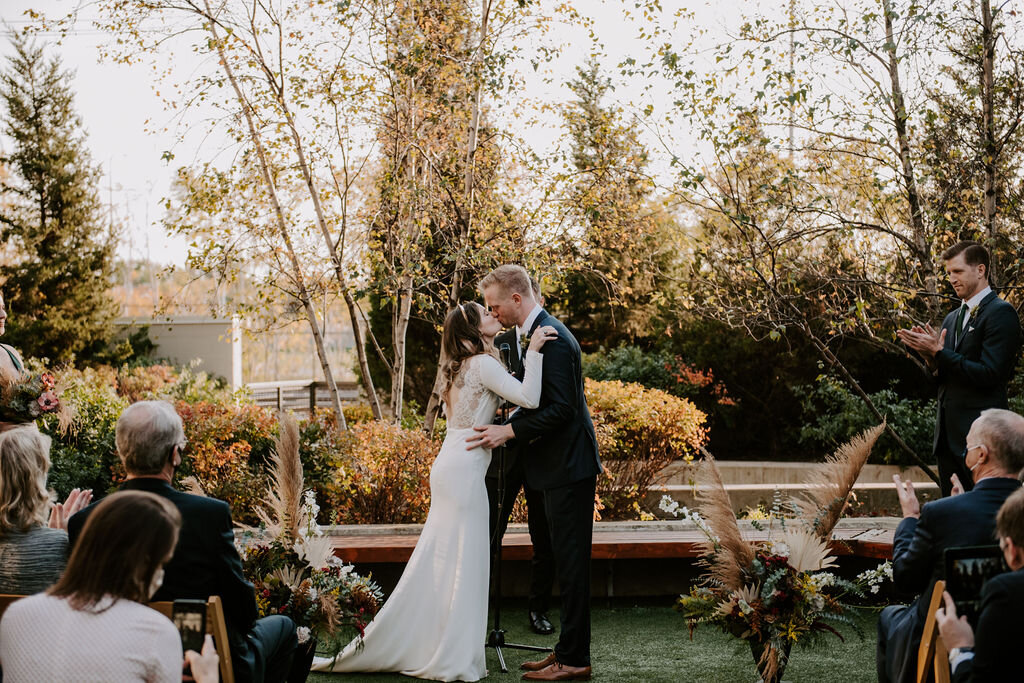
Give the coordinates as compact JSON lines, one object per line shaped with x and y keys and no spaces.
{"x":57,"y":262}
{"x":624,"y":248}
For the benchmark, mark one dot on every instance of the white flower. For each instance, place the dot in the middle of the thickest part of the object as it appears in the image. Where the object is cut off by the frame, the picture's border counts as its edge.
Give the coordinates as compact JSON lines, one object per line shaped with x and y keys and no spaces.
{"x":670,"y":506}
{"x":303,"y":633}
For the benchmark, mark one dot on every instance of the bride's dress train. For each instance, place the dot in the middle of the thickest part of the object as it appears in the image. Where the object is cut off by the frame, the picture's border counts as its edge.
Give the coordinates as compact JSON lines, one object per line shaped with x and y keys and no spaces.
{"x":435,"y":622}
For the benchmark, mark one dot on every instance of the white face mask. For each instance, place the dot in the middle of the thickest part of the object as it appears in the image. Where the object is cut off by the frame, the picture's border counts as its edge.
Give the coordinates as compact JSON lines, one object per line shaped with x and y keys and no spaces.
{"x":156,"y":581}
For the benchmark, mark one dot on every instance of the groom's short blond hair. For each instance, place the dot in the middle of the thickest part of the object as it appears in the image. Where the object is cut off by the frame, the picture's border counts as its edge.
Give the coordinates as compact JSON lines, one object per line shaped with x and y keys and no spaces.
{"x":511,"y":278}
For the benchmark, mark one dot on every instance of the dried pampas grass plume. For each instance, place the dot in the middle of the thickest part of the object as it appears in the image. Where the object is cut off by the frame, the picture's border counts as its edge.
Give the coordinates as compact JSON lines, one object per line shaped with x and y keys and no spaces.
{"x":830,"y":485}
{"x":727,"y":556}
{"x":193,"y":486}
{"x":283,"y":513}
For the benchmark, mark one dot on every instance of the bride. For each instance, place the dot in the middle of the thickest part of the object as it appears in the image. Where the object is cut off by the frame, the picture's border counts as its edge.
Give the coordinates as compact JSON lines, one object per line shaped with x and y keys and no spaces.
{"x":434,"y":624}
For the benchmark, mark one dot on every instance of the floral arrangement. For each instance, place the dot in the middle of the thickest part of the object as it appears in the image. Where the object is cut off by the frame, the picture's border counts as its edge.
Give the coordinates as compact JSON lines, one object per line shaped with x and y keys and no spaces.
{"x":292,"y":565}
{"x":28,"y":395}
{"x":775,"y":593}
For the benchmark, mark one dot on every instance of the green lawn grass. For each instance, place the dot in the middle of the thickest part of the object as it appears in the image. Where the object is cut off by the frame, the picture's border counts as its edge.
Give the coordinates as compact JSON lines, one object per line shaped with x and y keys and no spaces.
{"x":644,"y":644}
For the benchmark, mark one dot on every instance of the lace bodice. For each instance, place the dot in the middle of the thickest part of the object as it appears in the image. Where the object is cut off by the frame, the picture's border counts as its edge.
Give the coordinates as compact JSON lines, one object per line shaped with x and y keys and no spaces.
{"x":482,"y":380}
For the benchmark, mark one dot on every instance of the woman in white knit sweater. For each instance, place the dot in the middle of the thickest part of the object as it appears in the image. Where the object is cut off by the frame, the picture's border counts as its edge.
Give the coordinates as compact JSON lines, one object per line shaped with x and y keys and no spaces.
{"x":93,"y":624}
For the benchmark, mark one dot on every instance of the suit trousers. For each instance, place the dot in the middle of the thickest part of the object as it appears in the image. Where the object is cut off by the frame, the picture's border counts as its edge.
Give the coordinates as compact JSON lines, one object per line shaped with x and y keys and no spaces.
{"x":272,"y":644}
{"x":542,"y":565}
{"x":570,"y":511}
{"x":899,"y":634}
{"x":949,"y":464}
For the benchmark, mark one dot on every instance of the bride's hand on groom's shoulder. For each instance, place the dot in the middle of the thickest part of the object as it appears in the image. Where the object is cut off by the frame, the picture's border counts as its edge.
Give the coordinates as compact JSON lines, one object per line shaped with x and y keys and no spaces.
{"x":540,"y":336}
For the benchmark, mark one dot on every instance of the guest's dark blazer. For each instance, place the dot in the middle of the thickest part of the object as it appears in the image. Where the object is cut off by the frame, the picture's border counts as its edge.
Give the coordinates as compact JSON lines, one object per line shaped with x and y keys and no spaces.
{"x":997,"y":637}
{"x":205,"y":562}
{"x":557,"y":438}
{"x":973,"y":372}
{"x":516,"y":365}
{"x":918,"y":556}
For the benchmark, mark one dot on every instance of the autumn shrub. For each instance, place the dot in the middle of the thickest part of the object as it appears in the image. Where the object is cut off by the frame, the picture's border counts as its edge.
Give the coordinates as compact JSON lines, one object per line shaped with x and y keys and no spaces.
{"x":383,"y":475}
{"x":85,"y":456}
{"x":639,"y":432}
{"x":229,"y":447}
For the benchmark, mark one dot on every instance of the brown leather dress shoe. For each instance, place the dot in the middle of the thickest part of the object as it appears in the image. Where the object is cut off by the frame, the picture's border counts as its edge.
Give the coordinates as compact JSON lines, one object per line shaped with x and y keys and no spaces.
{"x":537,"y":666}
{"x":559,"y":672}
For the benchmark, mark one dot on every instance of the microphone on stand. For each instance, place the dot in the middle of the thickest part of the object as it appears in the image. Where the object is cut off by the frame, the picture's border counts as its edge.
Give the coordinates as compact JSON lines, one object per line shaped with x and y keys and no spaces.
{"x":506,"y":356}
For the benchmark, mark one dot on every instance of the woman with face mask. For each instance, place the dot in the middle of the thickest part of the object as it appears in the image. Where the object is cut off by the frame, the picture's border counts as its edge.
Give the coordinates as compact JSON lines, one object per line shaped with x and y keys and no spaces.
{"x":93,"y":625}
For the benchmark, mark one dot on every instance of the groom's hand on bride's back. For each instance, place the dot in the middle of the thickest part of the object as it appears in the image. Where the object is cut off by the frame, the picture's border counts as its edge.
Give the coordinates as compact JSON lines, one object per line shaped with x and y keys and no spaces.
{"x":490,"y":436}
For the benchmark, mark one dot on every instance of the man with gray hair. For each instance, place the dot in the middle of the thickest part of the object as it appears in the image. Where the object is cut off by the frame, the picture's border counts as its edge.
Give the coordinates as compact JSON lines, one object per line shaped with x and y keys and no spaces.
{"x":994,"y":457}
{"x":151,"y":442}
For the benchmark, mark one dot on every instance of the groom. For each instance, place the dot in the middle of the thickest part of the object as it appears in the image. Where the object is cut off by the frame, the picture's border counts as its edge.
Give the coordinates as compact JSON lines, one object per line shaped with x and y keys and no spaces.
{"x":560,"y":450}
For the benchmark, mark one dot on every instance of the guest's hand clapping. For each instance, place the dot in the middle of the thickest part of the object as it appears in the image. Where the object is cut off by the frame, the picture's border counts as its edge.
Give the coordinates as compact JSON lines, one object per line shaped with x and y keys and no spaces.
{"x":908,"y":499}
{"x":540,"y":336}
{"x":62,"y":512}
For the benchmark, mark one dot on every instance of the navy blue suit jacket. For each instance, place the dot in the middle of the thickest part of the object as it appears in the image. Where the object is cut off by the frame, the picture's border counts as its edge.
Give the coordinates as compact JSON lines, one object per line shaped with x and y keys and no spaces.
{"x":205,"y":561}
{"x":973,"y":372}
{"x":997,"y":637}
{"x":557,"y":438}
{"x":953,"y":522}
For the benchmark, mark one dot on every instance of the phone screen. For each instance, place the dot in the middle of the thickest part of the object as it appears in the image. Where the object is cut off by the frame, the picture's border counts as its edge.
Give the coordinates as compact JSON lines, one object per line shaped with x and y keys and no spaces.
{"x":189,"y":616}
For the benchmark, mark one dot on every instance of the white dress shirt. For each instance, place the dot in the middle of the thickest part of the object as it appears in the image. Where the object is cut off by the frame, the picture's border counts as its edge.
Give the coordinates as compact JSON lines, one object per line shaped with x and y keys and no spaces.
{"x":525,"y":328}
{"x":971,"y":304}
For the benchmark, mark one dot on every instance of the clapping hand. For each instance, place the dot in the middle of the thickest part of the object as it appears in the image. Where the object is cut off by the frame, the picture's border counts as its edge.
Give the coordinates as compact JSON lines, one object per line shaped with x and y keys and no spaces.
{"x":62,"y":512}
{"x":542,"y":335}
{"x":925,"y":340}
{"x":908,"y":499}
{"x":958,"y":486}
{"x":955,"y":632}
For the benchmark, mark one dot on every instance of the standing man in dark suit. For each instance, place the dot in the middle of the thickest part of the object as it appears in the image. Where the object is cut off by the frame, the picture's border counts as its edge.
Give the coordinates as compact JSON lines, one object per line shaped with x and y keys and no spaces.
{"x":560,"y":459}
{"x":989,"y":651}
{"x":972,"y":356}
{"x":995,"y":454}
{"x":150,"y":442}
{"x":542,"y":566}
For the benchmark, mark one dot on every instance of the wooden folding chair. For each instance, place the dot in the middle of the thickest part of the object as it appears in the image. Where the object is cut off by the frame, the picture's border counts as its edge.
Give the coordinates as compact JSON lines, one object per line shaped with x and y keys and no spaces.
{"x":216,"y":626}
{"x":5,"y":601}
{"x":932,"y":655}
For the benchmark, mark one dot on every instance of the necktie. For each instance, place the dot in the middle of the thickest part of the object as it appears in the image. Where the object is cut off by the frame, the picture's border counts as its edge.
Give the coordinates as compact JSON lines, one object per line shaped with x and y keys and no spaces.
{"x":959,"y":323}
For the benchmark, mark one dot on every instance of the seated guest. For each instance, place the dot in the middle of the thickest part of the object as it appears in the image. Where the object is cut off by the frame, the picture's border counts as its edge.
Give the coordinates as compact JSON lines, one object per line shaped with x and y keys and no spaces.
{"x":91,"y":626}
{"x":150,"y":442}
{"x":995,"y":454}
{"x":990,"y":653}
{"x":32,"y":553}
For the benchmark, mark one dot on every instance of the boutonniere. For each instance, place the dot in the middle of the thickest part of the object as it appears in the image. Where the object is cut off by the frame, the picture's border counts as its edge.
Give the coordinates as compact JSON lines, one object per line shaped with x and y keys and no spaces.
{"x":524,"y":341}
{"x":973,"y":313}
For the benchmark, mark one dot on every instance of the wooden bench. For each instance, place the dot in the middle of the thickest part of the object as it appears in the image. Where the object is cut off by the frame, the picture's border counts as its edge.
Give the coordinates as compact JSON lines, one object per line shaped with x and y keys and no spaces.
{"x":610,"y":542}
{"x":216,"y":626}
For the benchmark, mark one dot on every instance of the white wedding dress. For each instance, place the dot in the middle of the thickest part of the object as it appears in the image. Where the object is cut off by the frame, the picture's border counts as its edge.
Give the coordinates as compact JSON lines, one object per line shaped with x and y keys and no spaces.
{"x":435,"y":622}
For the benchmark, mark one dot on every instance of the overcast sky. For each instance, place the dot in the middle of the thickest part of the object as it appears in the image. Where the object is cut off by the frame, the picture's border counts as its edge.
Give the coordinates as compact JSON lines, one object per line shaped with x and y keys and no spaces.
{"x":116,"y":101}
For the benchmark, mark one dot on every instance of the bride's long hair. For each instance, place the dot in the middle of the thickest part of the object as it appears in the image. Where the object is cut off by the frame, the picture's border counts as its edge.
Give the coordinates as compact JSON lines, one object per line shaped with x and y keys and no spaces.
{"x":461,"y":340}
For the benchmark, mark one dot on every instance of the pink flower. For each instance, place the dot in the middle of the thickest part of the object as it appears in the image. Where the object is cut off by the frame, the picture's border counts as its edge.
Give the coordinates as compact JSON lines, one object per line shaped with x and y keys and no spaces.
{"x":48,"y":402}
{"x":48,"y":381}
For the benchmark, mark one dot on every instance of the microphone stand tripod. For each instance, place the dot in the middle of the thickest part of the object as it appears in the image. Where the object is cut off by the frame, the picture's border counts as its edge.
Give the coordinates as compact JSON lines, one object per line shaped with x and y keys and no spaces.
{"x":496,"y":638}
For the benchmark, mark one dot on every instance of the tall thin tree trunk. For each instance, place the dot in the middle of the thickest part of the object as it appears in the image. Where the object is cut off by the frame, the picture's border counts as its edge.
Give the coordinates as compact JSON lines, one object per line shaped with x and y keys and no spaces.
{"x":339,"y":270}
{"x":303,"y":292}
{"x":468,"y":183}
{"x":989,"y":145}
{"x":922,"y":245}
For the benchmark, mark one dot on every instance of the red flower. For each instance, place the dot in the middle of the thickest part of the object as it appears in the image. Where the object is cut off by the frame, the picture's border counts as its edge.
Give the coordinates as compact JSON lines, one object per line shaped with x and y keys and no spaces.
{"x":48,"y":402}
{"x":48,"y":381}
